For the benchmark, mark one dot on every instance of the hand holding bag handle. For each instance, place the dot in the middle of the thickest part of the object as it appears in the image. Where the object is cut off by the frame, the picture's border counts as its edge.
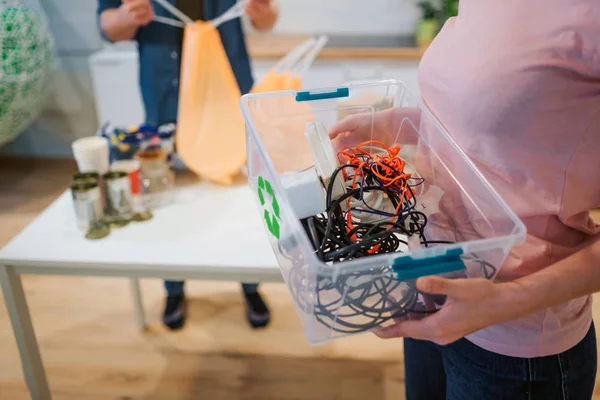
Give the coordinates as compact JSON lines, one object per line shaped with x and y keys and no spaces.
{"x":175,"y":11}
{"x":235,"y":11}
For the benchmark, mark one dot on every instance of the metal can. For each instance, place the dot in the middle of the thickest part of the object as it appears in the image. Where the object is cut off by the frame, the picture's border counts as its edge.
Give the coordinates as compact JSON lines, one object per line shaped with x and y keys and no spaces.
{"x":92,"y":177}
{"x":119,"y":203}
{"x":87,"y":201}
{"x":86,"y":177}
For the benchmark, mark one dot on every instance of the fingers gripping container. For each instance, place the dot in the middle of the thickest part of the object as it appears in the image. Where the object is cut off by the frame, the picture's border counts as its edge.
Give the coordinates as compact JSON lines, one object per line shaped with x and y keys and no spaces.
{"x":470,"y":229}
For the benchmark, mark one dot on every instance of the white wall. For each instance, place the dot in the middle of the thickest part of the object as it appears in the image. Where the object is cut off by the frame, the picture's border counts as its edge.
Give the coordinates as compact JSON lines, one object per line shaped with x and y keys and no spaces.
{"x":71,"y":113}
{"x":347,"y":16}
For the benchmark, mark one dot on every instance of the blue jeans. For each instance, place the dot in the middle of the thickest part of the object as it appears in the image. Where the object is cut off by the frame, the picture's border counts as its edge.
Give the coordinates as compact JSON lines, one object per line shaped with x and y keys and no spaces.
{"x":464,"y":371}
{"x":176,"y":287}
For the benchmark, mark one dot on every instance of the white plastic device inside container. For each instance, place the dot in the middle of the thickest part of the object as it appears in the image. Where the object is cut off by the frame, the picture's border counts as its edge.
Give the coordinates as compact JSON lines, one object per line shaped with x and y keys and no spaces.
{"x":324,"y":156}
{"x":305,"y":192}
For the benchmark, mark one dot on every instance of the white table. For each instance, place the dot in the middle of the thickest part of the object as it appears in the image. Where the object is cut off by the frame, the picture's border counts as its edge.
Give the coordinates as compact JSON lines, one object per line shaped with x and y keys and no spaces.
{"x":209,"y":232}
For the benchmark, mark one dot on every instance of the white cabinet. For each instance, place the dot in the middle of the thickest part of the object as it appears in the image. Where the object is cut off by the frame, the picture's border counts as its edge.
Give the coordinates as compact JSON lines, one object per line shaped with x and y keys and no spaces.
{"x":115,"y":77}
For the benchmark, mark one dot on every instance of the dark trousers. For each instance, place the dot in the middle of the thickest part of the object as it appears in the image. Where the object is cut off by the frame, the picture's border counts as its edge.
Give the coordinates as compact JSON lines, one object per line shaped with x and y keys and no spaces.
{"x":176,"y":287}
{"x":464,"y":371}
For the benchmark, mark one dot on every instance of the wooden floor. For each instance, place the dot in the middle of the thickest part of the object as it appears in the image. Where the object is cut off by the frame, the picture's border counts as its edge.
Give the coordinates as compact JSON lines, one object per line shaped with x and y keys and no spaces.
{"x":92,"y":350}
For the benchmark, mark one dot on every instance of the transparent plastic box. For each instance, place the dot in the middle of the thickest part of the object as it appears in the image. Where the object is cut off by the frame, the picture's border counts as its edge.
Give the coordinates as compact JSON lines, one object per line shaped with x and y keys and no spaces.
{"x":470,"y":229}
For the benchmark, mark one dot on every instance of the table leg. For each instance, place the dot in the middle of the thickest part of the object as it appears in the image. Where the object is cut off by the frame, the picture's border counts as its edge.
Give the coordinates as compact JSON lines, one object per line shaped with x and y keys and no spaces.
{"x":138,"y":306}
{"x":33,"y":369}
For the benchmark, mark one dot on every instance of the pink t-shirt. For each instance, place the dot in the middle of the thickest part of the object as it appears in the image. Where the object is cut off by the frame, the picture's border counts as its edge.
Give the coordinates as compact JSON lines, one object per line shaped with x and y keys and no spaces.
{"x":517,"y":84}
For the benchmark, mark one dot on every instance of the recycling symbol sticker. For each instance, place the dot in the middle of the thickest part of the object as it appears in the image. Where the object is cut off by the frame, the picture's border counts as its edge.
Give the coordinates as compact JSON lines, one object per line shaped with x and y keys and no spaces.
{"x":271,"y":209}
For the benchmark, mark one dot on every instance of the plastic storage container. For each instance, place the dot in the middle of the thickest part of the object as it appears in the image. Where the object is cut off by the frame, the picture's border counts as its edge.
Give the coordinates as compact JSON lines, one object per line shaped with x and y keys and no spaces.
{"x":470,"y":229}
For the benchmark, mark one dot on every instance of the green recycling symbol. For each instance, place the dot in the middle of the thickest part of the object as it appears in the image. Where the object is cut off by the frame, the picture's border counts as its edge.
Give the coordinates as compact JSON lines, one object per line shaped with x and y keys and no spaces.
{"x":271,"y":219}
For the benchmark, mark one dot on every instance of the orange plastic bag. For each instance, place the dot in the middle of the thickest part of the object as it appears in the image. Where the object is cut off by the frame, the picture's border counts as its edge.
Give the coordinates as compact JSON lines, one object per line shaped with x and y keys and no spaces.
{"x":284,"y":137}
{"x":281,"y":123}
{"x":210,"y":129}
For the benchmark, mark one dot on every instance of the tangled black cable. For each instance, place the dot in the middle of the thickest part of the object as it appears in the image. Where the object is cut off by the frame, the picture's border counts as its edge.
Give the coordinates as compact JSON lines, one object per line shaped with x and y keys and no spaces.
{"x":352,"y":227}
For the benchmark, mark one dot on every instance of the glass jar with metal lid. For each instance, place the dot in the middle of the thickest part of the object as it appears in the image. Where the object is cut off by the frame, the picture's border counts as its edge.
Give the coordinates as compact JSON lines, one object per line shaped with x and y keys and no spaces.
{"x":158,"y":180}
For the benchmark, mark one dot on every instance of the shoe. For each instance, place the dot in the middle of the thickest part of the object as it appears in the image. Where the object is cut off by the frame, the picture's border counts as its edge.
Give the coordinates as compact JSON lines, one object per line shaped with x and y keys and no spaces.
{"x":175,"y":311}
{"x":257,"y":312}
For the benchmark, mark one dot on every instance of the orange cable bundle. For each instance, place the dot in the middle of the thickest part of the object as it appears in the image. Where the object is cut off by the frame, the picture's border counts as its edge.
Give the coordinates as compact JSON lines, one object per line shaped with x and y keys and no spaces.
{"x":387,"y":168}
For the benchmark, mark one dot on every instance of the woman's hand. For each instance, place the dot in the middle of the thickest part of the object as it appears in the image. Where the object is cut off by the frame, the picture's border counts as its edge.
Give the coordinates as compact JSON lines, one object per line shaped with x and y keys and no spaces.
{"x":139,"y":12}
{"x":123,"y":22}
{"x":385,"y":126}
{"x":472,"y":304}
{"x":262,"y":13}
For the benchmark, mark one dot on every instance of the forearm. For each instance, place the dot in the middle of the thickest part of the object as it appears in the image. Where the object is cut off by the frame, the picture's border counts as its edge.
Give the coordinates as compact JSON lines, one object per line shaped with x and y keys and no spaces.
{"x":267,"y":21}
{"x":573,"y":277}
{"x":117,"y":25}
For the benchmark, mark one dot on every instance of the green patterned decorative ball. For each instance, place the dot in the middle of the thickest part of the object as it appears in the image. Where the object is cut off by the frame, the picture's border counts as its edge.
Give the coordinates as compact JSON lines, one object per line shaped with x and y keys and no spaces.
{"x":26,"y":57}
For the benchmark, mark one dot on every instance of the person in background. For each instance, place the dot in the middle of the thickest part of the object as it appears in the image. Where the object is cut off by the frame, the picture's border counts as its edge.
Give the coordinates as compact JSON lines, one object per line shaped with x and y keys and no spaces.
{"x":159,"y":47}
{"x":517,"y":85}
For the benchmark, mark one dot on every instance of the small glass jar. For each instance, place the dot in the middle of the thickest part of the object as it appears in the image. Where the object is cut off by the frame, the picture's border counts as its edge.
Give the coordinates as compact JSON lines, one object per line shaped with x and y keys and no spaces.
{"x":157,"y":178}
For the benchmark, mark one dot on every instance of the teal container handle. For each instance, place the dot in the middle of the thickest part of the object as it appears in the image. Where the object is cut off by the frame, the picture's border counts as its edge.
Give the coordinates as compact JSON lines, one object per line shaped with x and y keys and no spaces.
{"x":309,"y":96}
{"x":408,"y":268}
